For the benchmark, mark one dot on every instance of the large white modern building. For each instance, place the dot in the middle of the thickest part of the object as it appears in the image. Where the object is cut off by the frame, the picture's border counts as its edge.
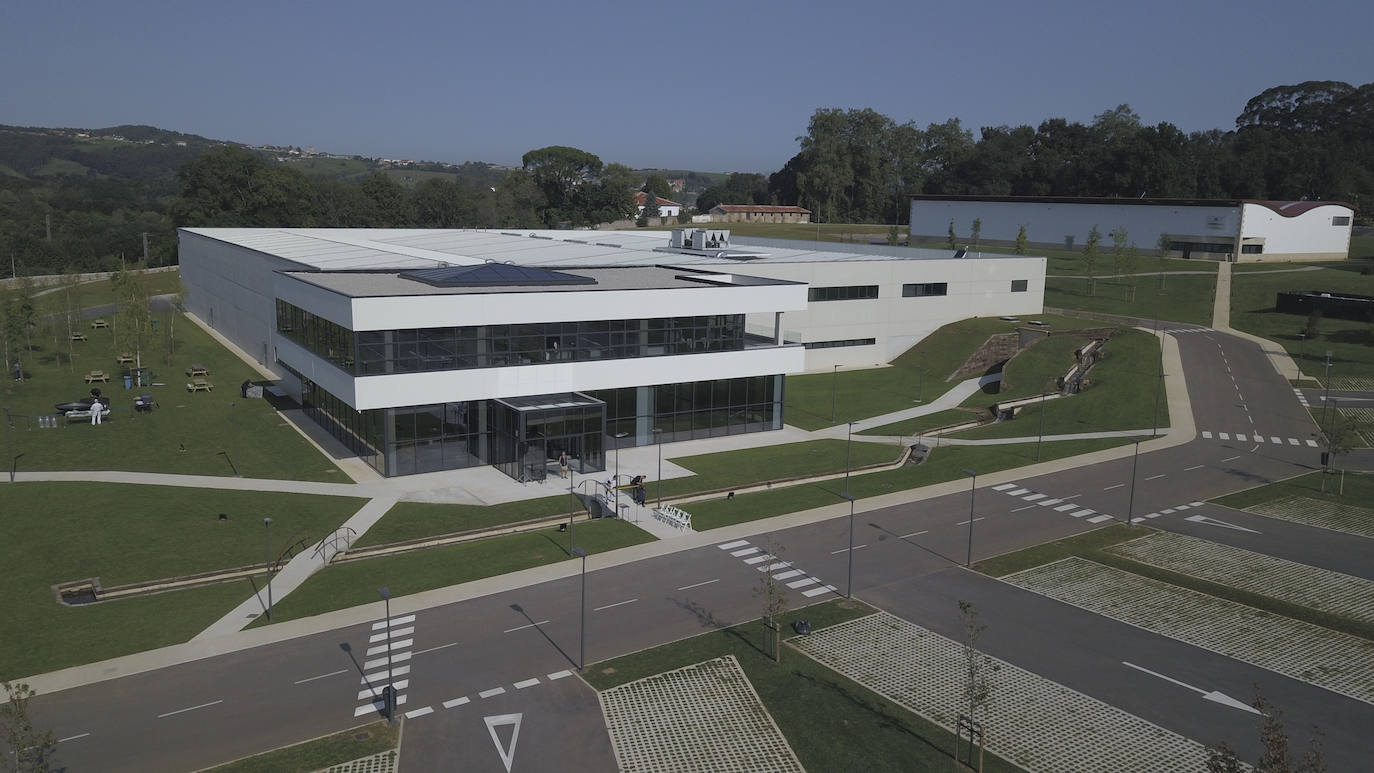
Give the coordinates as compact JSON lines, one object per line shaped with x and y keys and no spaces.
{"x":1239,"y":230}
{"x":437,"y":349}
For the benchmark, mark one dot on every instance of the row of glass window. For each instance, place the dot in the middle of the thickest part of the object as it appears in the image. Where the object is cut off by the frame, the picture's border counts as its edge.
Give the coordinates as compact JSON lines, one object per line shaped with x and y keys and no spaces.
{"x":837,"y":344}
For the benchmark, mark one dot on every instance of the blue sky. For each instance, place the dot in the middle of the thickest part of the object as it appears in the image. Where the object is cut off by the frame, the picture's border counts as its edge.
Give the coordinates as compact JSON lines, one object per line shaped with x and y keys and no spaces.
{"x":706,"y":85}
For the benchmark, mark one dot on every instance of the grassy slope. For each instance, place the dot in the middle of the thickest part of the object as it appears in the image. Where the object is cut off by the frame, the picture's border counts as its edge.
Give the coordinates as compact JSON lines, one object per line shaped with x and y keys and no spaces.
{"x":1351,"y":343}
{"x":59,"y":532}
{"x":320,"y":753}
{"x":1183,"y":298}
{"x":929,"y":421}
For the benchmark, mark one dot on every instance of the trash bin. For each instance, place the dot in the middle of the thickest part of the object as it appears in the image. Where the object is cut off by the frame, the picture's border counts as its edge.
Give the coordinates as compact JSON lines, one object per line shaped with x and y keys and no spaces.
{"x":128,"y":382}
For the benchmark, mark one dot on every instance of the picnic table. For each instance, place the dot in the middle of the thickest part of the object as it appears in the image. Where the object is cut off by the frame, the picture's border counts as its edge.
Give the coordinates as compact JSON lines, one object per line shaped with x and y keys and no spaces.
{"x":98,"y":322}
{"x":197,"y":370}
{"x":78,"y":336}
{"x":97,"y":375}
{"x":124,"y":359}
{"x":199,"y":385}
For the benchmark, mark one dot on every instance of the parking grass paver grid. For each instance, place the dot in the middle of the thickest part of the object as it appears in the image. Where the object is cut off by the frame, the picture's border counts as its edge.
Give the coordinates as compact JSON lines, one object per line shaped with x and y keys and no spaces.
{"x":1335,"y":661}
{"x":1277,"y":578}
{"x":702,"y":717}
{"x":1032,"y":721}
{"x":383,"y":762}
{"x":1316,"y":512}
{"x":1352,"y":383}
{"x":1363,"y":421}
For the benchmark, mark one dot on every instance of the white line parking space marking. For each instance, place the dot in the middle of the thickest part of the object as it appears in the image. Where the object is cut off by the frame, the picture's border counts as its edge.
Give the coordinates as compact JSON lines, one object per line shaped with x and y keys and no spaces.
{"x":526,"y":683}
{"x":72,"y":737}
{"x":456,"y":702}
{"x":559,"y":675}
{"x":1155,"y":477}
{"x":527,"y":625}
{"x":381,"y":676}
{"x":322,"y":676}
{"x":842,"y":550}
{"x":732,"y":545}
{"x":1018,"y":492}
{"x":190,"y":708}
{"x":1003,"y":487}
{"x":492,"y":693}
{"x":966,"y":522}
{"x":698,"y":584}
{"x":379,"y":625}
{"x":1118,"y":485}
{"x":419,"y":712}
{"x":788,"y":575}
{"x":802,"y":583}
{"x":1194,"y":467}
{"x":914,"y":534}
{"x":1099,"y":518}
{"x":1230,"y":458}
{"x":744,"y":552}
{"x":379,"y":662}
{"x":440,"y":647}
{"x":616,"y":604}
{"x":818,"y":591}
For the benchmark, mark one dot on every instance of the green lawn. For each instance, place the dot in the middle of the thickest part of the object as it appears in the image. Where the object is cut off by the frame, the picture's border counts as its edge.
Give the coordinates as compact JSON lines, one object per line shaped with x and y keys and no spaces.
{"x":1183,"y":299}
{"x":320,"y":753}
{"x":1122,"y":395}
{"x":60,"y":532}
{"x":413,"y":520}
{"x":912,"y":427}
{"x":731,"y":469}
{"x":920,"y":374}
{"x":1086,"y":545}
{"x":1033,"y":371}
{"x":52,"y":299}
{"x":1351,"y":343}
{"x":355,"y":582}
{"x":830,"y":721}
{"x":203,"y":423}
{"x":944,"y":464}
{"x":1359,"y":491}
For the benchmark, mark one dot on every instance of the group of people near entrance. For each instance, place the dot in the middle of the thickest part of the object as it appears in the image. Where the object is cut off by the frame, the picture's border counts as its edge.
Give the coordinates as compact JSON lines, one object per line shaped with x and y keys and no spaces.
{"x":638,"y":490}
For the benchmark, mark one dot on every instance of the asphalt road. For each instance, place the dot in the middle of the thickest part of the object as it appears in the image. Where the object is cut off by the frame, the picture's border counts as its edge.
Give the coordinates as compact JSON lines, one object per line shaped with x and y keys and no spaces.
{"x":513,"y":647}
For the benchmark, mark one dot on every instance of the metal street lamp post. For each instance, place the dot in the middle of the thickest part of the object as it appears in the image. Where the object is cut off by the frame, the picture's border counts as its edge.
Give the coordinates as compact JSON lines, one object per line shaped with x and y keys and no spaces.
{"x":849,"y":586}
{"x":234,"y":433}
{"x":388,"y":692}
{"x":834,"y":376}
{"x":848,"y":443}
{"x":658,"y":493}
{"x":972,"y":487}
{"x":618,"y":436}
{"x":267,"y":527}
{"x":571,"y":477}
{"x":1041,"y":439}
{"x":1326,"y":387}
{"x":582,"y":647}
{"x":1135,"y":458}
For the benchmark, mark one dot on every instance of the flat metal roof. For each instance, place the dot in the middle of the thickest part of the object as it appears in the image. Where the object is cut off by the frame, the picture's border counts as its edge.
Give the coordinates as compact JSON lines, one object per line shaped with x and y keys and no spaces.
{"x":385,"y":283}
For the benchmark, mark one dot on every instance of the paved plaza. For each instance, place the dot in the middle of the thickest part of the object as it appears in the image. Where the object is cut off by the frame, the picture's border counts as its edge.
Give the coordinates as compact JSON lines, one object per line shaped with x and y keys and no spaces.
{"x":1032,"y":721}
{"x":705,"y":717}
{"x":1277,"y":578}
{"x":1336,"y":661}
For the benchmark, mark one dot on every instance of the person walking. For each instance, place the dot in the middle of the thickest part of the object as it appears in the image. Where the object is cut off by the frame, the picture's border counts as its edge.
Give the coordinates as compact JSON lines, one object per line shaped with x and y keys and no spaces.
{"x":562,"y":464}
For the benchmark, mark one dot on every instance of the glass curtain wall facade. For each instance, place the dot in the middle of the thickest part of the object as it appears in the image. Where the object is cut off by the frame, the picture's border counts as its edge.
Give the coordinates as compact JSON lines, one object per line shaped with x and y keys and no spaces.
{"x":696,"y":409}
{"x":361,"y":431}
{"x":374,"y":352}
{"x":529,"y":435}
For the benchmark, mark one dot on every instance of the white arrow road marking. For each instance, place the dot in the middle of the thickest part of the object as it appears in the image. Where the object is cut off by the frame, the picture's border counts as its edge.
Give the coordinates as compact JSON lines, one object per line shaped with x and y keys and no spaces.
{"x":507,"y":753}
{"x":1214,"y":522}
{"x":1214,"y":696}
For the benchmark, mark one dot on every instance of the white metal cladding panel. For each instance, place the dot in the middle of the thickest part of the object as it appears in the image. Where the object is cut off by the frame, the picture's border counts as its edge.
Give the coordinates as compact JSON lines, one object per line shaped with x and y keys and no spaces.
{"x":400,"y":312}
{"x":1050,"y":222}
{"x":318,"y":301}
{"x":330,"y":377}
{"x":976,"y":288}
{"x":231,"y":288}
{"x":517,"y":381}
{"x":1308,"y":233}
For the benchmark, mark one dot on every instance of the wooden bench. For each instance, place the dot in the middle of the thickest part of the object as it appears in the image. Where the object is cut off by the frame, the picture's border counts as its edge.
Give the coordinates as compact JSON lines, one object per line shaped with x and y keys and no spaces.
{"x":197,"y":370}
{"x":97,"y":375}
{"x":199,"y":385}
{"x":98,"y":323}
{"x":124,"y":359}
{"x":78,"y":336}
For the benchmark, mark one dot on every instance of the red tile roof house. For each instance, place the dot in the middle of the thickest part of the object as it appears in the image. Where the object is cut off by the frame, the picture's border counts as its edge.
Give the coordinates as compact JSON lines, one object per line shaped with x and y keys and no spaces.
{"x":758,"y":213}
{"x":666,"y":208}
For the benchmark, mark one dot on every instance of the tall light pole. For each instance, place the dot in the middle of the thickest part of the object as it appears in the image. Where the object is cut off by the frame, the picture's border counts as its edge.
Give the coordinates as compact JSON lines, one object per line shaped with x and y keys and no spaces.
{"x":1302,"y":347}
{"x":658,"y":494}
{"x":571,"y":477}
{"x":234,"y":433}
{"x":972,"y":487}
{"x":388,"y":692}
{"x":848,"y":443}
{"x":267,"y":527}
{"x":849,"y":586}
{"x":1130,"y":504}
{"x":834,"y":376}
{"x":921,"y":379}
{"x":582,"y":647}
{"x":1326,"y":388}
{"x":618,"y":436}
{"x":1042,"y":427}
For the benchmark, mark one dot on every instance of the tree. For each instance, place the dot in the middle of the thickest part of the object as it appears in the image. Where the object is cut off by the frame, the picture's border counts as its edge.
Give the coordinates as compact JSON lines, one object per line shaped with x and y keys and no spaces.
{"x":976,"y":231}
{"x":977,"y":668}
{"x":952,"y":240}
{"x":894,"y":236}
{"x":236,"y":187}
{"x":651,"y":209}
{"x":774,"y":597}
{"x":657,"y":185}
{"x":1090,"y":256}
{"x":1274,"y":757}
{"x":133,"y":317}
{"x":1131,"y":265}
{"x":23,"y":747}
{"x":1119,"y":238}
{"x":385,"y":202}
{"x":1312,"y":330}
{"x":1020,"y":248}
{"x":558,"y":171}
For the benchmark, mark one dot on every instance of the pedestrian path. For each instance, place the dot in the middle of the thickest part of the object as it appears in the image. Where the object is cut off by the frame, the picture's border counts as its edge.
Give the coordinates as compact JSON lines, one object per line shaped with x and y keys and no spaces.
{"x":782,"y":571}
{"x":389,"y":651}
{"x":1058,"y":505}
{"x":1250,"y":436}
{"x":953,"y":398}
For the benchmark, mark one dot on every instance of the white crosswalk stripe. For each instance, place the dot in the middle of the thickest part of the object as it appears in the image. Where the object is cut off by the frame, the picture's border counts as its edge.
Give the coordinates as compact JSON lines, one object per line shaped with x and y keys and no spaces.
{"x":393,"y":663}
{"x":1099,"y":518}
{"x":766,"y":562}
{"x":1004,"y":487}
{"x":1206,"y":435}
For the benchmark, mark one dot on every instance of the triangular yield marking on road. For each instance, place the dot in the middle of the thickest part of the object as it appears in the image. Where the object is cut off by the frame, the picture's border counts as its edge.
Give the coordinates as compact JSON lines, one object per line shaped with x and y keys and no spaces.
{"x":1214,"y":522}
{"x":507,"y":753}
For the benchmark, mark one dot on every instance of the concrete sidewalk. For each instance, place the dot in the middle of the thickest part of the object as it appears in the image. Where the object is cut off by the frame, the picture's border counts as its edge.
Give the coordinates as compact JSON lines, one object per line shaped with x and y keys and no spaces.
{"x":1221,"y":321}
{"x":951,"y":399}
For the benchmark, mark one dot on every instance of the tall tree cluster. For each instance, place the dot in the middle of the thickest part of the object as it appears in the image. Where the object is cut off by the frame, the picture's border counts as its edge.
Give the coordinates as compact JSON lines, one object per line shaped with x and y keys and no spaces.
{"x":1313,"y":140}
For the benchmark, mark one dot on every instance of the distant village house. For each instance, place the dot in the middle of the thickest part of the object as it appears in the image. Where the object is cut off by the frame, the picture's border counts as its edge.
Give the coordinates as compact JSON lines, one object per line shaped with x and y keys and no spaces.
{"x":758,"y":213}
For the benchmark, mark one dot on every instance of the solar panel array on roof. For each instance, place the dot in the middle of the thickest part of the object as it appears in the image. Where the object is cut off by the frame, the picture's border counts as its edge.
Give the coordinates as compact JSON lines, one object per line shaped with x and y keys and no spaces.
{"x":495,"y":275}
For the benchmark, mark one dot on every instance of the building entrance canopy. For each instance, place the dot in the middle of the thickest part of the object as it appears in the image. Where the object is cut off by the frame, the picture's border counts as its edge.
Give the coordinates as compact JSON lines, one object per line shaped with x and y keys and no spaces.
{"x":530,"y":434}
